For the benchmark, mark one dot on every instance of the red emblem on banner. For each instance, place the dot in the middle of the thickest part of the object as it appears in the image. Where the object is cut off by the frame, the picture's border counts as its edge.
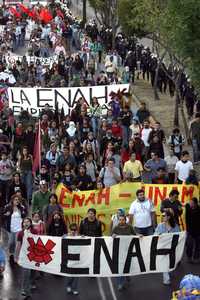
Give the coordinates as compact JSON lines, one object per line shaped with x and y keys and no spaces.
{"x":39,"y":252}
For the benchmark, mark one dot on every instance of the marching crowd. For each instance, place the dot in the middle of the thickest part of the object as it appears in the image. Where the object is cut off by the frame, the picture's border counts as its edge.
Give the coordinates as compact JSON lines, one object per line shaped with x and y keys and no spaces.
{"x":89,"y":148}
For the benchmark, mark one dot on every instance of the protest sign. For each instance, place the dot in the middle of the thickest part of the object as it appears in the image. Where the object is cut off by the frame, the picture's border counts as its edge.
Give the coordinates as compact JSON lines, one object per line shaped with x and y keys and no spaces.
{"x":48,"y":61}
{"x":108,"y":200}
{"x":104,"y":256}
{"x":34,"y":99}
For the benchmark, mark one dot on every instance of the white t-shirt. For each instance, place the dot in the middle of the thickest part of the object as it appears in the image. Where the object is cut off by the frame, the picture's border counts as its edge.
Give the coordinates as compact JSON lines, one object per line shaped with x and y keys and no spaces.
{"x":145,"y":135}
{"x":142,"y":213}
{"x":16,"y":221}
{"x":183,"y":169}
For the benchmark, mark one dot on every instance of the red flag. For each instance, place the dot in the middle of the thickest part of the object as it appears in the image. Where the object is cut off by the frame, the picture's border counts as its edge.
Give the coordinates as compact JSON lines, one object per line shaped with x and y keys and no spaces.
{"x":37,"y":151}
{"x":45,"y":15}
{"x":24,"y":9}
{"x":14,"y":12}
{"x":32,"y":13}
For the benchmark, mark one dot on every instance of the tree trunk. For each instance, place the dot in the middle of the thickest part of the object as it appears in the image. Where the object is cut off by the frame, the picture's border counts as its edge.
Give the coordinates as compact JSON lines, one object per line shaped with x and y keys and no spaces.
{"x":176,"y":110}
{"x":155,"y":89}
{"x":84,"y":12}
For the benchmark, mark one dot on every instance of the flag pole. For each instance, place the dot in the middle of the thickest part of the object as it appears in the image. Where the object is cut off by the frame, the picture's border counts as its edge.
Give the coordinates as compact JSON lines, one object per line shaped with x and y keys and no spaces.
{"x":39,"y":145}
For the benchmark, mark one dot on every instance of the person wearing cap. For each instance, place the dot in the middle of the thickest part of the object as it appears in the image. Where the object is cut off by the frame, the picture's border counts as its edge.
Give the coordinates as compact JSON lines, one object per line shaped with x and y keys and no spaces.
{"x":41,"y":198}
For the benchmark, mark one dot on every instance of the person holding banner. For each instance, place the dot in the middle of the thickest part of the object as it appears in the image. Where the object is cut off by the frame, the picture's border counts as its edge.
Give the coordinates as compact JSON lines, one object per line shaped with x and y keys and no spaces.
{"x":72,"y":282}
{"x":122,"y":229}
{"x":143,"y":211}
{"x":91,"y":226}
{"x":168,"y":225}
{"x":27,"y":277}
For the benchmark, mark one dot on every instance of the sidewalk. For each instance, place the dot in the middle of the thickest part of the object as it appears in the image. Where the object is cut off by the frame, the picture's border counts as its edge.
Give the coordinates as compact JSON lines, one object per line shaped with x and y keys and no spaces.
{"x":161,"y":110}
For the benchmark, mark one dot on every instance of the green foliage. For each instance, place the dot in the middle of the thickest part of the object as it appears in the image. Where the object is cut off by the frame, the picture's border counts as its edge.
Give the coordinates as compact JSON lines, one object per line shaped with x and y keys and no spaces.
{"x":185,"y":32}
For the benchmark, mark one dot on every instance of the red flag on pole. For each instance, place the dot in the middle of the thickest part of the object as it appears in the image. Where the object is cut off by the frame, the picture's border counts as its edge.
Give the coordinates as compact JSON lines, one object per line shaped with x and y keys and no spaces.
{"x":37,"y":151}
{"x":14,"y":12}
{"x":33,"y":14}
{"x":24,"y":9}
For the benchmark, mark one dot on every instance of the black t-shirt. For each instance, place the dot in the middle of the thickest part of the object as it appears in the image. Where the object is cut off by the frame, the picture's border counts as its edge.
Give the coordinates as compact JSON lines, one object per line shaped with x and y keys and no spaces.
{"x":89,"y":228}
{"x":84,"y":182}
{"x":174,"y":205}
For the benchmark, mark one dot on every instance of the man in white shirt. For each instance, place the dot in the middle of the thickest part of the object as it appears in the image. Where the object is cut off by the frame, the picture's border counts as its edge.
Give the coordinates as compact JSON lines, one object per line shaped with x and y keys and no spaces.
{"x":110,"y":175}
{"x":182,"y":168}
{"x":143,"y":211}
{"x":145,"y":132}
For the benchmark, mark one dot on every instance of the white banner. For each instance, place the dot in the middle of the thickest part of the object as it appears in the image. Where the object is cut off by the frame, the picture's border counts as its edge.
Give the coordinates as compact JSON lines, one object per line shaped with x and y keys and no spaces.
{"x":12,"y":58}
{"x":34,"y":99}
{"x":104,"y":256}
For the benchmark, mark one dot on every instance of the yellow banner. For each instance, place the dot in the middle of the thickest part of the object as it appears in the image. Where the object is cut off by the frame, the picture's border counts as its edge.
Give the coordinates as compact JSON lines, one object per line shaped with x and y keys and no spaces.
{"x":108,"y":200}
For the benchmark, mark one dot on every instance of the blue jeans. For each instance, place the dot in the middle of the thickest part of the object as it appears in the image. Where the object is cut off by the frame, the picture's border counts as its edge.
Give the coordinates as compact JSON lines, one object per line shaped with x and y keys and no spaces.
{"x":12,"y":242}
{"x":144,"y":231}
{"x":18,"y":41}
{"x":27,"y":179}
{"x":95,"y":121}
{"x":72,"y":282}
{"x":121,"y":281}
{"x":44,"y":52}
{"x":26,"y":281}
{"x":196,"y":149}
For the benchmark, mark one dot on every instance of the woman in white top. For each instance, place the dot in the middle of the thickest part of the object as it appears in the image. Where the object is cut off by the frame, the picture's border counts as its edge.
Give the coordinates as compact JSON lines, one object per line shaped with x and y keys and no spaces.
{"x":13,"y":213}
{"x":135,"y":128}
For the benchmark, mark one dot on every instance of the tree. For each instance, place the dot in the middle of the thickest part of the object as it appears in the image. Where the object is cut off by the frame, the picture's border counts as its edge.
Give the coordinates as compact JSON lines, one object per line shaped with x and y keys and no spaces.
{"x":106,"y":13}
{"x":84,"y":11}
{"x":185,"y":31}
{"x":153,"y":19}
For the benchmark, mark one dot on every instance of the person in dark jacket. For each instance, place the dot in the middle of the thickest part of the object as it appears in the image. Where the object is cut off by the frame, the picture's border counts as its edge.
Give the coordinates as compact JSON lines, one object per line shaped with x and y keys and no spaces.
{"x":50,"y":208}
{"x":91,"y":226}
{"x":83,"y":181}
{"x":16,"y":185}
{"x":192,"y":217}
{"x":143,"y":113}
{"x":57,"y":226}
{"x":172,"y":204}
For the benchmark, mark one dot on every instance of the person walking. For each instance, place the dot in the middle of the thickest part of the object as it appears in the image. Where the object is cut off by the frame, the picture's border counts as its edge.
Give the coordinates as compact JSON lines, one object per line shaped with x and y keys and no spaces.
{"x":192,"y":217}
{"x":143,"y":211}
{"x":72,"y":282}
{"x":168,"y":225}
{"x":91,"y":226}
{"x":122,"y":229}
{"x":172,"y":204}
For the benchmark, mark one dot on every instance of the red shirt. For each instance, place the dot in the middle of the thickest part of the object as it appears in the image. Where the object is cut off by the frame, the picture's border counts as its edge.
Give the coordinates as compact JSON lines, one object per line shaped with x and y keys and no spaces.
{"x":21,"y":234}
{"x":116,"y":131}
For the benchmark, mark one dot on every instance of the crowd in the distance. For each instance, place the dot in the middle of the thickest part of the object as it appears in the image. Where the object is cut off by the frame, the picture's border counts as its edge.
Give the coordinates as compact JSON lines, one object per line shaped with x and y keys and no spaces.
{"x":89,"y":148}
